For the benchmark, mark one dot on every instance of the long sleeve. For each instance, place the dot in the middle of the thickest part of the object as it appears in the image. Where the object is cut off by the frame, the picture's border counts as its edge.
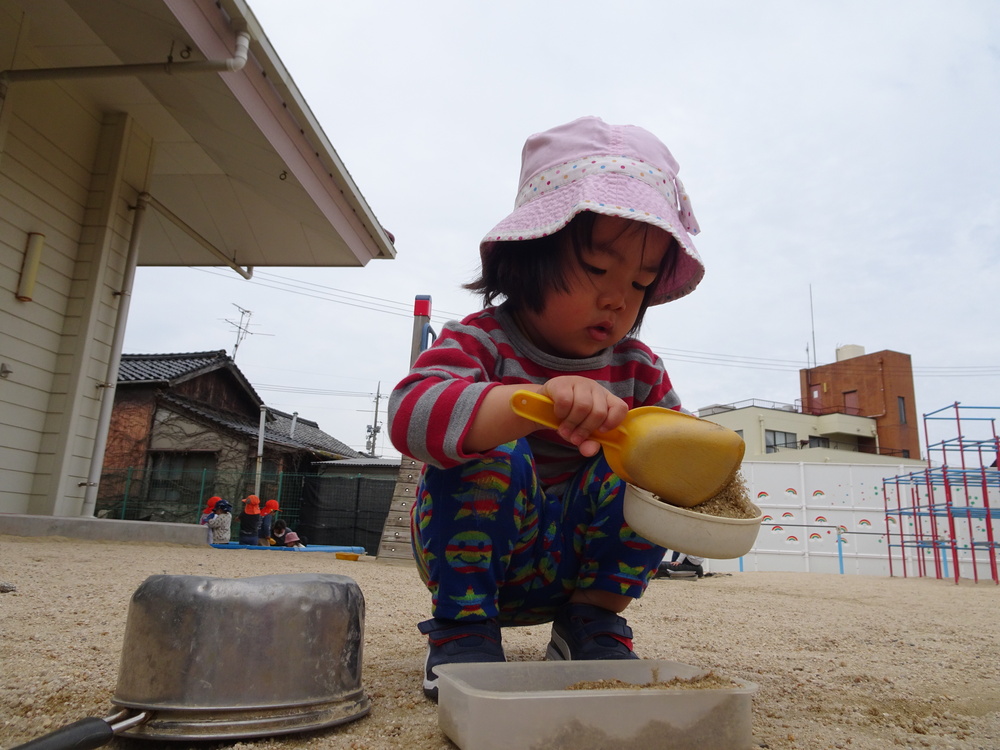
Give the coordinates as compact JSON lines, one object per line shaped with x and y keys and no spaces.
{"x":431,"y":409}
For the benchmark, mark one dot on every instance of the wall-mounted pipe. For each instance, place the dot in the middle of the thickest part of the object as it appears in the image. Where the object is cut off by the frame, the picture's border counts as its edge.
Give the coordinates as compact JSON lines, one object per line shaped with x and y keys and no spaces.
{"x":114,"y":362}
{"x":168,"y":67}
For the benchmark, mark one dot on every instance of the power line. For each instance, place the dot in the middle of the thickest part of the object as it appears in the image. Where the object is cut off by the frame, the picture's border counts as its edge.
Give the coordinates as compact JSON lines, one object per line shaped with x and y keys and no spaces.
{"x":405,"y":310}
{"x":311,"y":391}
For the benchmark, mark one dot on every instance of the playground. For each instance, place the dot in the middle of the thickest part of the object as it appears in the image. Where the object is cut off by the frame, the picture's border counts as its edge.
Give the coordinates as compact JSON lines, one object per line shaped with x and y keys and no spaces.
{"x":861,"y":662}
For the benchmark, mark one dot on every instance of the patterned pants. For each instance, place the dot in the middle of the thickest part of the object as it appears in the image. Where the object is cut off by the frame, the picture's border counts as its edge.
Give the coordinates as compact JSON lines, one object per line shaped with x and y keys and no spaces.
{"x":490,"y":543}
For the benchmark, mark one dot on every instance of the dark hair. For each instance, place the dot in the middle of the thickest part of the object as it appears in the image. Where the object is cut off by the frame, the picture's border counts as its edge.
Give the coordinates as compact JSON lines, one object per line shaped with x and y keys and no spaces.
{"x":523,"y":271}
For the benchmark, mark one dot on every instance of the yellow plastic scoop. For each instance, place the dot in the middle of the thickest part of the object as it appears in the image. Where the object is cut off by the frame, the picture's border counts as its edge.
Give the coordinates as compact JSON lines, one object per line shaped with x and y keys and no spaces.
{"x":682,"y":459}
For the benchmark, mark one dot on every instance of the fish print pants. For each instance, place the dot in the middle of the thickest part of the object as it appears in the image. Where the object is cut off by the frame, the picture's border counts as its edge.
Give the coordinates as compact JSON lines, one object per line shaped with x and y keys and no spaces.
{"x":490,"y":543}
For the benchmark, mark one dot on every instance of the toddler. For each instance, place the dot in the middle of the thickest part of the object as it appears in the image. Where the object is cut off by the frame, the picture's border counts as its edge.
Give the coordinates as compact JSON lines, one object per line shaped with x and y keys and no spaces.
{"x":221,"y":522}
{"x":515,"y":524}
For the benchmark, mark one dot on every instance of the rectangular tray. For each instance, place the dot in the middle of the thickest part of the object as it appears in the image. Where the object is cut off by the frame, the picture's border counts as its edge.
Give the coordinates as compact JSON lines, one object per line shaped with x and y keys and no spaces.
{"x":526,"y":705}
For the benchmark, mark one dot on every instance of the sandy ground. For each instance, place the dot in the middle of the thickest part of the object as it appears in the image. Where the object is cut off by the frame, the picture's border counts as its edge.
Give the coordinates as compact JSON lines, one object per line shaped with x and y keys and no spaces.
{"x":842,"y":661}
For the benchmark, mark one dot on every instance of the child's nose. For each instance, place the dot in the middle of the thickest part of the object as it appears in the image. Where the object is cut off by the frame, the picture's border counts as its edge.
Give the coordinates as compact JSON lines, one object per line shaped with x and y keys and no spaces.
{"x":612,"y":298}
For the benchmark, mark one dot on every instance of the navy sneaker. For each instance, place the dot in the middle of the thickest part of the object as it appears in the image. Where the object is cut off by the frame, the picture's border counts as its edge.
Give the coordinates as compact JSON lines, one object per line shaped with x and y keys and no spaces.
{"x":458,"y":642}
{"x":585,"y":632}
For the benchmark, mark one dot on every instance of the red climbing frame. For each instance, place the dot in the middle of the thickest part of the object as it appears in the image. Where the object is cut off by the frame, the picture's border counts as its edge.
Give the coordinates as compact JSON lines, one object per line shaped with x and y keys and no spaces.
{"x":952,"y":507}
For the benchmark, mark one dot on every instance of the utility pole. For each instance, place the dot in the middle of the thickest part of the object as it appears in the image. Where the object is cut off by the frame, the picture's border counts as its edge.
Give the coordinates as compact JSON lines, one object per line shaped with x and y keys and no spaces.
{"x":374,"y":428}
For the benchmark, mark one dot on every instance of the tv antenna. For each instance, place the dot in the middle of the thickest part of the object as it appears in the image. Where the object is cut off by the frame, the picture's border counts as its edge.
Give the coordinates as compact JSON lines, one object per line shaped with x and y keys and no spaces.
{"x":242,"y":328}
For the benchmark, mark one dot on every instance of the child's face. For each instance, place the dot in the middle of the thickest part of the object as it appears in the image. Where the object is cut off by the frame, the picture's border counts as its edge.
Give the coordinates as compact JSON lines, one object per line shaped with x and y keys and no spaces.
{"x":605,"y":289}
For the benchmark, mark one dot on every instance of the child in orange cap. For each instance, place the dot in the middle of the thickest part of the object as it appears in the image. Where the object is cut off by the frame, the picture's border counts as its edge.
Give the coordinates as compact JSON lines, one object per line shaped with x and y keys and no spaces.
{"x":250,"y":520}
{"x":266,"y":522}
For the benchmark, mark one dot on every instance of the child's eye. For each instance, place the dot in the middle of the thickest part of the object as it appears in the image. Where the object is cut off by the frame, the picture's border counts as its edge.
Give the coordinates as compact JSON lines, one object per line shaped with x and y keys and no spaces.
{"x":639,"y":287}
{"x":593,"y":269}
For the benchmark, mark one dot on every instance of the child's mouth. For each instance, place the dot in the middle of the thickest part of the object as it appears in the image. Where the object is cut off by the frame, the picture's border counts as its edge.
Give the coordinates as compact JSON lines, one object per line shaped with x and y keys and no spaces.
{"x":599,"y":333}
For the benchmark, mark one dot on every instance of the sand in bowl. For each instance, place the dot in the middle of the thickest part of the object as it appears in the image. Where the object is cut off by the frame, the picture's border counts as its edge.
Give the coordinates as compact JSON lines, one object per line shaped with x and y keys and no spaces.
{"x":733,"y":501}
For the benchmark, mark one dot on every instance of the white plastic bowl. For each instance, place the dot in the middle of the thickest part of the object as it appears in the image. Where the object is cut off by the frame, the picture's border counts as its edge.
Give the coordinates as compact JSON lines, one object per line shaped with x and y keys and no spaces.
{"x":688,"y":531}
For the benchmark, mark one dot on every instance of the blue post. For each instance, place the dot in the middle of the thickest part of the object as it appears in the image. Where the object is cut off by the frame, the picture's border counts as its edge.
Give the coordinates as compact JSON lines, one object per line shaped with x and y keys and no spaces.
{"x":840,"y":550}
{"x":944,"y":560}
{"x":741,"y":565}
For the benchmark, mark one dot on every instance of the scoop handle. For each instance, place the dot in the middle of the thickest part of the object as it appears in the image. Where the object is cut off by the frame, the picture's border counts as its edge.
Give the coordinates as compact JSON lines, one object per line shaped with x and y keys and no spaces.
{"x":539,"y":408}
{"x":536,"y":407}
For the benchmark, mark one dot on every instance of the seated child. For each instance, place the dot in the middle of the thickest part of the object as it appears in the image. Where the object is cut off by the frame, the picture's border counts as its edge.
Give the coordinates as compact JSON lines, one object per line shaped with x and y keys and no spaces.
{"x":512,"y":523}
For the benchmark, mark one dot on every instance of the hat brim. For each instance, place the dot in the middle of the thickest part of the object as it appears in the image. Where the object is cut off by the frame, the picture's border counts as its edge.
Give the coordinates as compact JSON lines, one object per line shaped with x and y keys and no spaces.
{"x":611,"y":195}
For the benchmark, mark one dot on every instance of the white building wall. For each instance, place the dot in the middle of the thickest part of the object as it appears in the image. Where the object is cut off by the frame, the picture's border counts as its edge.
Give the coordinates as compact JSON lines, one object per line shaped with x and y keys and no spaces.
{"x":67,"y":171}
{"x":805,"y":504}
{"x":43,"y":188}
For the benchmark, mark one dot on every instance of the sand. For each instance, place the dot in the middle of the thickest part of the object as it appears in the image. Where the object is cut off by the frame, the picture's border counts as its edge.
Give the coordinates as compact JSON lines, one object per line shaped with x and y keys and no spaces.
{"x":856,"y":662}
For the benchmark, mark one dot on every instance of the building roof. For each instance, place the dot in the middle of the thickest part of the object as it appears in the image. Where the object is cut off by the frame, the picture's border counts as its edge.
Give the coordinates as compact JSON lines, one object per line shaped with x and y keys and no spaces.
{"x":244,"y":175}
{"x":275,"y":430}
{"x":168,"y":370}
{"x":308,"y":432}
{"x":363,"y":460}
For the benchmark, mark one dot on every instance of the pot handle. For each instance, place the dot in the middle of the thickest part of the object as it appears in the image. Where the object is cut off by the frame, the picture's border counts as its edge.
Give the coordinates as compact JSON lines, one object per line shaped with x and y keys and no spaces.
{"x":85,"y":734}
{"x":80,"y":735}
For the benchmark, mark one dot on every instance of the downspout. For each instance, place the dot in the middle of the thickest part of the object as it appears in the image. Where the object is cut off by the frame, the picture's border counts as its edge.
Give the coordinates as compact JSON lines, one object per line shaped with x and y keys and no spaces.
{"x":230,"y":65}
{"x":260,"y":449}
{"x":114,"y":361}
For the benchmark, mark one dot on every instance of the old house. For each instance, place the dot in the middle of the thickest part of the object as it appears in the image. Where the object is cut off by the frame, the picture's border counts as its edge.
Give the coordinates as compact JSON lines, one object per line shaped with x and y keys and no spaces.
{"x":188,"y":426}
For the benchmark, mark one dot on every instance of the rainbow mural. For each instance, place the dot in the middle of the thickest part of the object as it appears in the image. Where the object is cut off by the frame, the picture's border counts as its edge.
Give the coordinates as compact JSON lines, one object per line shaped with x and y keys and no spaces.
{"x":818,"y":493}
{"x":821,"y":519}
{"x":792,"y":539}
{"x":788,"y":514}
{"x":776,"y":528}
{"x":864,"y":522}
{"x":816,"y":536}
{"x":791,"y":491}
{"x":761,"y":495}
{"x":766,"y":519}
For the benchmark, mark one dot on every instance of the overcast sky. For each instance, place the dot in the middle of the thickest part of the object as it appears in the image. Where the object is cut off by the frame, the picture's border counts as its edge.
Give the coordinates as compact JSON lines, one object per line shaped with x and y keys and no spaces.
{"x":842,"y":158}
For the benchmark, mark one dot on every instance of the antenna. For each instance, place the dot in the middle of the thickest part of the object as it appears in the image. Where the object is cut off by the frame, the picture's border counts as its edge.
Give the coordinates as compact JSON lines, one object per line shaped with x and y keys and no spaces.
{"x":812,"y":323}
{"x":242,"y":328}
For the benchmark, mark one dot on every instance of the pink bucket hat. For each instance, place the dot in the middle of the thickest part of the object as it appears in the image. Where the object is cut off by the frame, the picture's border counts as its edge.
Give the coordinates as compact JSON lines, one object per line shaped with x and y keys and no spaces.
{"x":617,"y":170}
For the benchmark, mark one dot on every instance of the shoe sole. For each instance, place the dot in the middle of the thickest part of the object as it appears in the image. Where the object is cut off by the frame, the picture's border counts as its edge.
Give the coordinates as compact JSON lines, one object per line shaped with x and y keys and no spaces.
{"x":558,"y":649}
{"x":430,"y":685}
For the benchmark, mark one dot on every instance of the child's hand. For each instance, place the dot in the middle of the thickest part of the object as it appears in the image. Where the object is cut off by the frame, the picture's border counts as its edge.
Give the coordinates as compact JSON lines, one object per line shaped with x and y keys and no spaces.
{"x":584,"y":406}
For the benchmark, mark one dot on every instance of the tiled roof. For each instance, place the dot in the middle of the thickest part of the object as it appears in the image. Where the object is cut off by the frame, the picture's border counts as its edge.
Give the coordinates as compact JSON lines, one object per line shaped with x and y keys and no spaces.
{"x":275,"y":431}
{"x":169,"y":369}
{"x":165,"y":368}
{"x":309,"y":433}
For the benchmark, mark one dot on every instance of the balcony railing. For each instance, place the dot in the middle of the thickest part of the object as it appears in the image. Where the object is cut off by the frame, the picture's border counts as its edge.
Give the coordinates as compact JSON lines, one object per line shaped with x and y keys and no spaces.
{"x":795,"y":408}
{"x":840,"y":446}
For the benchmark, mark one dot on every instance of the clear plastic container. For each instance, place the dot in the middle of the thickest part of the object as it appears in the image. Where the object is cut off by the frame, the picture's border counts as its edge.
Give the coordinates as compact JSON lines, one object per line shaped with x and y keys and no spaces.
{"x":525,"y":705}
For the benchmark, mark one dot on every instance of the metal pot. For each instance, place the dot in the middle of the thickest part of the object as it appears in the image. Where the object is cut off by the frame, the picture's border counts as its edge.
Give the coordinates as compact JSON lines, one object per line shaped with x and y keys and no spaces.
{"x":209,"y":658}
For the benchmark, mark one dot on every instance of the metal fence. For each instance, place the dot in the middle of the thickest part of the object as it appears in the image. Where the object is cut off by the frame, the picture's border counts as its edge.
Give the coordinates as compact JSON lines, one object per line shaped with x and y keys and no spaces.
{"x":324,"y":510}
